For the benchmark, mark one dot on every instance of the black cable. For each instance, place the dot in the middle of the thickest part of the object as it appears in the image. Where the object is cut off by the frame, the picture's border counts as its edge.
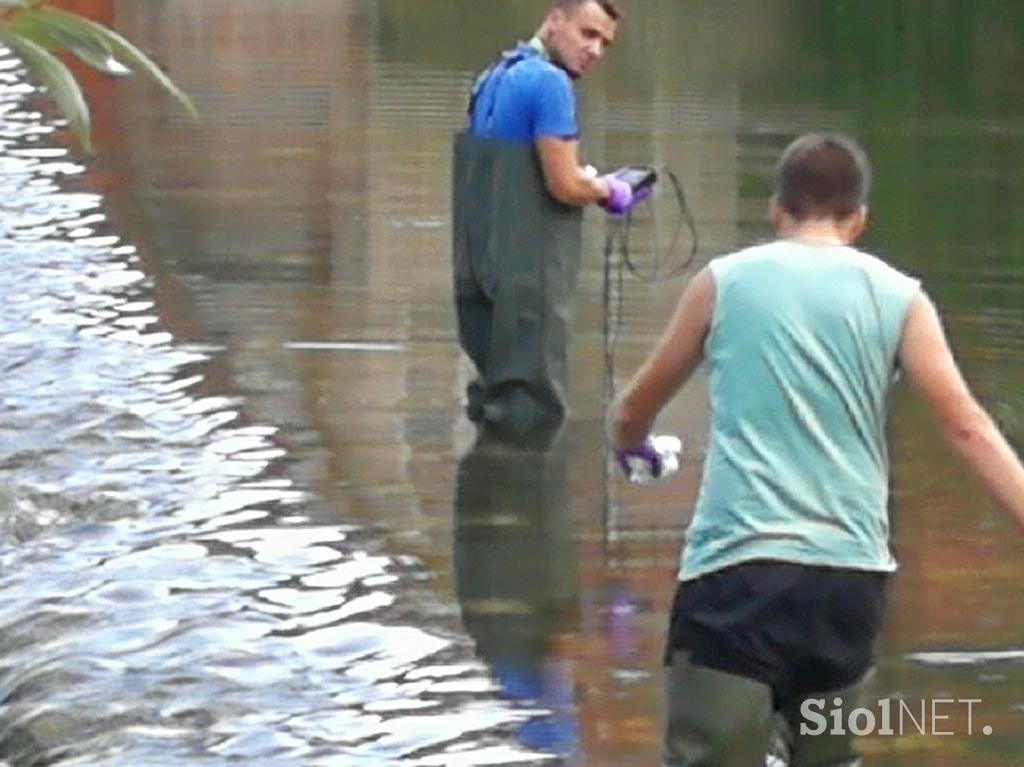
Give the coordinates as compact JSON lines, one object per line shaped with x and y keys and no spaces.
{"x":685,"y":217}
{"x":619,"y":233}
{"x":617,"y":241}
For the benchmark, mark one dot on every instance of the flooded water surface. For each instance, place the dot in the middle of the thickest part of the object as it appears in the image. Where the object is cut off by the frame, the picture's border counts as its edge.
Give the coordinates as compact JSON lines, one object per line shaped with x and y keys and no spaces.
{"x":244,"y":520}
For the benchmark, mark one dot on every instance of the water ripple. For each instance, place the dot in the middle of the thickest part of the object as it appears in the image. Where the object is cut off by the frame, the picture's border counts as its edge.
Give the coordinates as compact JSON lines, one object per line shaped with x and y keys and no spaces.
{"x":167,"y":595}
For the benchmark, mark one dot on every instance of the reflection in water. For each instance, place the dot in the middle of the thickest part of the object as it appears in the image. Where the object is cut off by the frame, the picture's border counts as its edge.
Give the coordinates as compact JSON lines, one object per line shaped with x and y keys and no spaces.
{"x":515,"y":578}
{"x":168,"y":596}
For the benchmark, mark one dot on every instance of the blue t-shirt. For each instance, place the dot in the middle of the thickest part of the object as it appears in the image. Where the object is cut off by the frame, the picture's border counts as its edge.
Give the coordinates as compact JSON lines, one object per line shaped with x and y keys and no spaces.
{"x":524,"y":97}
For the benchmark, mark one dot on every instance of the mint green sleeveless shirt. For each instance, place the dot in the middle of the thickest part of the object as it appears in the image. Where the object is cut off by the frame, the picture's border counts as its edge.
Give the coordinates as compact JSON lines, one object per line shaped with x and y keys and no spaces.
{"x":802,"y":356}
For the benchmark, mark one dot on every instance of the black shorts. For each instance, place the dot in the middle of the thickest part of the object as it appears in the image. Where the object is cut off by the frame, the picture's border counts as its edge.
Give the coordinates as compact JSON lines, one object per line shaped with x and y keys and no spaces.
{"x":797,"y":628}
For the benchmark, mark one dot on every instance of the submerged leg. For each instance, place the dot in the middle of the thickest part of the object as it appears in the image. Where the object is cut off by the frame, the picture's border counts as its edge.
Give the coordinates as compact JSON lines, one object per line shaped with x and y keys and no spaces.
{"x":714,"y":719}
{"x":820,"y":744}
{"x":517,"y":392}
{"x":527,"y":371}
{"x":475,"y":315}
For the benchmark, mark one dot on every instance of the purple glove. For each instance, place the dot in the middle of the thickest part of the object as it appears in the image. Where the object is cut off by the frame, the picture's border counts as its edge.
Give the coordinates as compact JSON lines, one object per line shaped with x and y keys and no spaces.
{"x":621,"y":198}
{"x":657,"y":458}
{"x":620,"y":195}
{"x":640,"y":464}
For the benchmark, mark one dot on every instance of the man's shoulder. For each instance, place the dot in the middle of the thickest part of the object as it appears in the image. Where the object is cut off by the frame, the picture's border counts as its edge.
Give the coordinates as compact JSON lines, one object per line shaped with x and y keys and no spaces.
{"x":783,"y":249}
{"x":544,"y":94}
{"x":883,"y":271}
{"x":749,"y":254}
{"x":539,"y":74}
{"x":769,"y":263}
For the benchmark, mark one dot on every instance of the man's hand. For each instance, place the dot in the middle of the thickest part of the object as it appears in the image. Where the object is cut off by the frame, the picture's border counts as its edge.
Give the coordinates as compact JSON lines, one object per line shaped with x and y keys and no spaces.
{"x":621,"y":196}
{"x":677,"y":354}
{"x":638,"y":463}
{"x":654,"y":459}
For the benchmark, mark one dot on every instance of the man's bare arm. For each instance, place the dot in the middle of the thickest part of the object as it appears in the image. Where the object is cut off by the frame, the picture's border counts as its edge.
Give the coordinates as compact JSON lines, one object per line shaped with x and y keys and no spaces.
{"x":565,"y":179}
{"x":677,"y":354}
{"x":929,"y":364}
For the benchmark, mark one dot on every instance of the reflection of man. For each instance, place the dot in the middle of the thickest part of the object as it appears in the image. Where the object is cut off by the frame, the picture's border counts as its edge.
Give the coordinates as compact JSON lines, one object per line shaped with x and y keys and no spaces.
{"x":518,"y":193}
{"x":515,"y":577}
{"x":785,"y":564}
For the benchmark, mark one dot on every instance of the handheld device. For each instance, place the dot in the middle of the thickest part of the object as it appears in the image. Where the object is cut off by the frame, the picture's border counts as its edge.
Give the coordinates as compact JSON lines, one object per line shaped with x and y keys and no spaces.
{"x":638,"y":176}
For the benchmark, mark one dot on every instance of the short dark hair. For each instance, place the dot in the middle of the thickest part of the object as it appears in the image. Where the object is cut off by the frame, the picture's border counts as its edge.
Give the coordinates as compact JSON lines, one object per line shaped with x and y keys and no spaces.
{"x":609,"y":6}
{"x":822,"y":175}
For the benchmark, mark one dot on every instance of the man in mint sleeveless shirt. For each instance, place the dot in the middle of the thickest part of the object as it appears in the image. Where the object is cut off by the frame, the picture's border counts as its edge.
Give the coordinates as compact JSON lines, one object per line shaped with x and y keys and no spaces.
{"x":785,"y":563}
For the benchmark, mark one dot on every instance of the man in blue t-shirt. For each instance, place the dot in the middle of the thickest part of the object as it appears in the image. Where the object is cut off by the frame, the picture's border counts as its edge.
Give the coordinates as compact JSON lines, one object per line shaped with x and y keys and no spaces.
{"x":524,"y":98}
{"x":527,"y":95}
{"x":518,"y":191}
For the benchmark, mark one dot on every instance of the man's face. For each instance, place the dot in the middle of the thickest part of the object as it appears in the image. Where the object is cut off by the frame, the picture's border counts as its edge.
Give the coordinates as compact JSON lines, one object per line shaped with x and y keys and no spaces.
{"x":579,"y":37}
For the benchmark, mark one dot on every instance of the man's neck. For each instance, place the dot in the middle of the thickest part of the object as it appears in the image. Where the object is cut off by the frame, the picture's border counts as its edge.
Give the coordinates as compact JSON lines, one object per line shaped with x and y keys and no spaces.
{"x":817,"y":232}
{"x":538,"y":44}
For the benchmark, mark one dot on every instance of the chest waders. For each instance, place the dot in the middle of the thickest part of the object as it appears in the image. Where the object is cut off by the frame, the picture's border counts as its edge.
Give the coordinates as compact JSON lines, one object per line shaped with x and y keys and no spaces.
{"x":516,"y":253}
{"x":716,"y":719}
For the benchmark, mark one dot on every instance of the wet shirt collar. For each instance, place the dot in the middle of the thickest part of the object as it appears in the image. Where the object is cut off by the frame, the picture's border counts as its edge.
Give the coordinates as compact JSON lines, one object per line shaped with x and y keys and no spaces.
{"x":535,"y":47}
{"x":538,"y":46}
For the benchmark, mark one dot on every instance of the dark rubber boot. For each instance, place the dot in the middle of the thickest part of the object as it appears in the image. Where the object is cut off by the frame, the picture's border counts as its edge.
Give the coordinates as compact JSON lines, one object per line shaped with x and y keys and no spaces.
{"x":714,"y":719}
{"x":825,"y":749}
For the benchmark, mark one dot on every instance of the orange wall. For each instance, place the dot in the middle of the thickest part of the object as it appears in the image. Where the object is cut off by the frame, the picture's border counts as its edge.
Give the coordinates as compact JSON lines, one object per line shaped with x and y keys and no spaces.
{"x":99,"y":10}
{"x":101,"y":93}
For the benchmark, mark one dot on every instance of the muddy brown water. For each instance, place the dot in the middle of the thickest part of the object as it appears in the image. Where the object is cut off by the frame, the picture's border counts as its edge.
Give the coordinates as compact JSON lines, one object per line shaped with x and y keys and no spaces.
{"x":244,"y":518}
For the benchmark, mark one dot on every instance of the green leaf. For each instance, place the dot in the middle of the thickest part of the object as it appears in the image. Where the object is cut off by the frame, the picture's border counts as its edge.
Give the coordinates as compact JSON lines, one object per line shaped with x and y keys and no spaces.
{"x":93,"y":53}
{"x":61,"y":34}
{"x":57,"y":79}
{"x":123,"y":51}
{"x":35,"y":31}
{"x":26,"y":26}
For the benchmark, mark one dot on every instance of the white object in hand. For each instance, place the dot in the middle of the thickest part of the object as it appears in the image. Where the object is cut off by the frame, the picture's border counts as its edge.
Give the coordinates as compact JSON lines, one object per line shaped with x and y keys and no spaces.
{"x":668,"y":449}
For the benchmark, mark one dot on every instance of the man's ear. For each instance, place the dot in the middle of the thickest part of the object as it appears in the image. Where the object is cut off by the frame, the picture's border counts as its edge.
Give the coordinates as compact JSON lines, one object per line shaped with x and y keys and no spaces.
{"x":555,"y":18}
{"x":855,"y":225}
{"x":777,"y":216}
